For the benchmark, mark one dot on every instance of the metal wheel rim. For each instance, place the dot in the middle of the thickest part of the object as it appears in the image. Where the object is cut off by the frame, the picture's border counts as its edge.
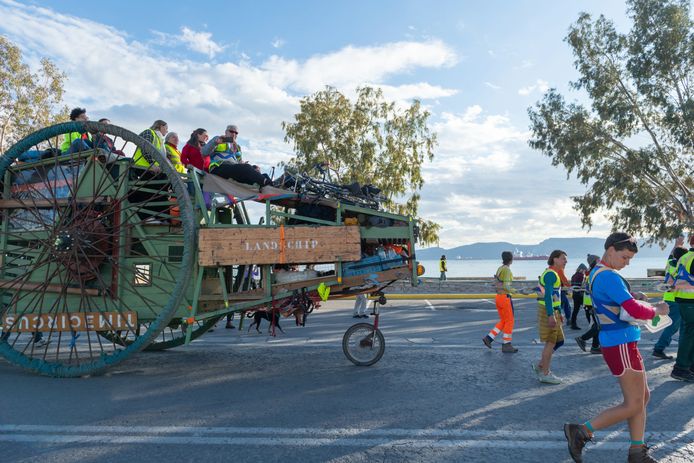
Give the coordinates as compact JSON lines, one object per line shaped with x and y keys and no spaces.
{"x":96,"y":362}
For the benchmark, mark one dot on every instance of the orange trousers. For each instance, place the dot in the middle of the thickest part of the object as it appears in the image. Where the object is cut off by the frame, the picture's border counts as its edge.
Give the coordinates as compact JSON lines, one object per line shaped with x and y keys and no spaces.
{"x":504,"y":305}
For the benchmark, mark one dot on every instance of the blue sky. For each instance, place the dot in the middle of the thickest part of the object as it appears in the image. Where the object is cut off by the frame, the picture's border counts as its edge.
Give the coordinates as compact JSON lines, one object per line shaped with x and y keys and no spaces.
{"x":477,"y":66}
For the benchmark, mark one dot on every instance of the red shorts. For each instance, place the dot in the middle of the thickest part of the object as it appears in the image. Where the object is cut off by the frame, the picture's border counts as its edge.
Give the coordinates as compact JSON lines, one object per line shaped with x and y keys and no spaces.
{"x":623,"y":357}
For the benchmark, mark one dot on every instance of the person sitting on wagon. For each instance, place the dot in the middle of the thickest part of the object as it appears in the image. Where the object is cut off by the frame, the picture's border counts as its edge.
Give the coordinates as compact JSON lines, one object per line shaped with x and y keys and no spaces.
{"x":77,"y":141}
{"x":103,"y":141}
{"x":191,"y":155}
{"x":226,"y":159}
{"x":155,"y":135}
{"x":172,"y":153}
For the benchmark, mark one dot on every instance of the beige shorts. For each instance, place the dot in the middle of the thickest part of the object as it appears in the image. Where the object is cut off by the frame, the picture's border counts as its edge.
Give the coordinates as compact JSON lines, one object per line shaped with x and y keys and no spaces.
{"x":548,"y":334}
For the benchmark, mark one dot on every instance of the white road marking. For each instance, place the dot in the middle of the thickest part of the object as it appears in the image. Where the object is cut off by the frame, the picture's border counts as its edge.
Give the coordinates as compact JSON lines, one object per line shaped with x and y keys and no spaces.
{"x":431,"y":306}
{"x":315,"y":437}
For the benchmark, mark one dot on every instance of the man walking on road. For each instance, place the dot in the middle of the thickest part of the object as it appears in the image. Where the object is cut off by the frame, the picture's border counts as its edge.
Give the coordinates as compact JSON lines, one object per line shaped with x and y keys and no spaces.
{"x":549,"y":318}
{"x":684,"y":296}
{"x":504,"y":305}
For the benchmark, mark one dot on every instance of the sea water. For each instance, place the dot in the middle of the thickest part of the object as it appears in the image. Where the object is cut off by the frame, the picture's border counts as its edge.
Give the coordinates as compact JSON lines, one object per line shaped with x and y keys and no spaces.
{"x":530,"y":269}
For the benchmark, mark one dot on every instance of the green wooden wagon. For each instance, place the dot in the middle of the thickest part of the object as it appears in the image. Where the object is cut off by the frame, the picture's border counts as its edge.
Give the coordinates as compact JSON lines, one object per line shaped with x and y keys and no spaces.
{"x":100,"y":259}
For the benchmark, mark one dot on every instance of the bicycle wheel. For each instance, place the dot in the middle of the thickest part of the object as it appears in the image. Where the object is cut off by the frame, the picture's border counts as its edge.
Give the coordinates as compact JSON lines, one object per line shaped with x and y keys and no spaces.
{"x":363,"y":345}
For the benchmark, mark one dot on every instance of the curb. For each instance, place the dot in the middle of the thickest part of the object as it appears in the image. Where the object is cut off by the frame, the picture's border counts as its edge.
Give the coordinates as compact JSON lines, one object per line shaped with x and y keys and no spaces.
{"x":471,"y":296}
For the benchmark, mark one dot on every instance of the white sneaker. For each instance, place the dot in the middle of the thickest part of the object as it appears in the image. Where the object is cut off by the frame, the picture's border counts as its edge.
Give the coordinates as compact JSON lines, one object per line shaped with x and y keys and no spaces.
{"x":549,"y":378}
{"x":536,"y":370}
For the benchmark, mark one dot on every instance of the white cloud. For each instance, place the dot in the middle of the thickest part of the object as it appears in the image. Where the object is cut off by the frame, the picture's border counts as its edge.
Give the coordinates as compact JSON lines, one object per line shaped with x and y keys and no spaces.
{"x":540,"y":85}
{"x":277,"y":43}
{"x":134,"y":84}
{"x":482,"y":160}
{"x":421,"y":90}
{"x":200,"y":42}
{"x":492,"y":86}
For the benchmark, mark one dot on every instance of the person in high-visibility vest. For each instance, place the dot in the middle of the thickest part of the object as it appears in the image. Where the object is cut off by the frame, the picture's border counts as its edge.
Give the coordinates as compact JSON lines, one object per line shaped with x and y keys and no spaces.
{"x":594,"y":330}
{"x":549,"y":318}
{"x":226,"y":161}
{"x":443,"y":268}
{"x":77,"y":141}
{"x":172,"y":153}
{"x":504,"y":305}
{"x":684,"y":297}
{"x":155,"y":135}
{"x":669,"y":296}
{"x":613,"y":301}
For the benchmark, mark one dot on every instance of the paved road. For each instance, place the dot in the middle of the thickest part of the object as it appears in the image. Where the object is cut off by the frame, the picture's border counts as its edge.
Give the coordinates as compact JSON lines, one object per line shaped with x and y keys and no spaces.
{"x":437,"y":395}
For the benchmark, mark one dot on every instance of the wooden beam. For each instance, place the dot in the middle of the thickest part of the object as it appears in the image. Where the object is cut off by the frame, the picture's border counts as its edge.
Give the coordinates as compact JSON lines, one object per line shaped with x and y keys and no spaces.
{"x":60,"y":202}
{"x":31,"y":286}
{"x":278,"y":245}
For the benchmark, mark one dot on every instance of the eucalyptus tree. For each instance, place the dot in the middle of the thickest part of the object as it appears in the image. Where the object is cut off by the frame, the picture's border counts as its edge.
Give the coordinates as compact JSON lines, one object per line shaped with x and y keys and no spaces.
{"x":28,"y":101}
{"x":370,"y":140}
{"x":632,"y":142}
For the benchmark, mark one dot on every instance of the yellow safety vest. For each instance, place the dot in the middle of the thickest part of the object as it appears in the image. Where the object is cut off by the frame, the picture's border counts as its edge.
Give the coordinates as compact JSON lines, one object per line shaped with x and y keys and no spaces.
{"x":671,"y":270}
{"x":587,"y":301}
{"x":70,"y":138}
{"x":503,"y":286}
{"x":684,"y":282}
{"x":138,"y":157}
{"x":175,"y":157}
{"x":556,"y":290}
{"x":442,"y":265}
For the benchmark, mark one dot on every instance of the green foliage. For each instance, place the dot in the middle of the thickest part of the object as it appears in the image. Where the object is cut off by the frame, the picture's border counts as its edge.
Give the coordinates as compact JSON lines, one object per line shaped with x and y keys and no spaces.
{"x":634,"y":146}
{"x":368,"y":141}
{"x":27,"y":101}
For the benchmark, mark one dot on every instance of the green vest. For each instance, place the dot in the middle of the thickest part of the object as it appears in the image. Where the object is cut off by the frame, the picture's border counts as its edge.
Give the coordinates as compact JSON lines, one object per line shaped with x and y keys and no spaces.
{"x":139,"y":158}
{"x":556,"y":290}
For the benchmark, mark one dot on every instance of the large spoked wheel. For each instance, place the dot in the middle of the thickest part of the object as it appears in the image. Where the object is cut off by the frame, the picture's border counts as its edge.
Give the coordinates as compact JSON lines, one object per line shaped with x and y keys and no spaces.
{"x":363,"y":345}
{"x":95,"y":250}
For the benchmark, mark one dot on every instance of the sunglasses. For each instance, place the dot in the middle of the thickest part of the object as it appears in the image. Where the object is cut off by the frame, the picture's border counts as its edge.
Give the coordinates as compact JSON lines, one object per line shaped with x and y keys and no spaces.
{"x":631,"y":240}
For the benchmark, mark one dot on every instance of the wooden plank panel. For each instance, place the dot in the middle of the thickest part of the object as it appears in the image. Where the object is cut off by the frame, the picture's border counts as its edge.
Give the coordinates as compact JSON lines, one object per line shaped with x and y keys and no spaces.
{"x":278,"y":245}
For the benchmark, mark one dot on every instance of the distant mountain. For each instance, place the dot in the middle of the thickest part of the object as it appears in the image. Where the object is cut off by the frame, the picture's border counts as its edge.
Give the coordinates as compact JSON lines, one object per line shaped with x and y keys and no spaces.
{"x":577,"y":248}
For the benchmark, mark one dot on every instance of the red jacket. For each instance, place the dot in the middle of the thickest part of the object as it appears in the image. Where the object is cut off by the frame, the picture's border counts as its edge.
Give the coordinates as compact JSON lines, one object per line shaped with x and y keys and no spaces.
{"x":192,"y":155}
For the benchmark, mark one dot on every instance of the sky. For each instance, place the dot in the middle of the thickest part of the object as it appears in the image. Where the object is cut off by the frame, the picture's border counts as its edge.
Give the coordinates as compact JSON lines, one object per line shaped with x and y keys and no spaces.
{"x":476,"y":66}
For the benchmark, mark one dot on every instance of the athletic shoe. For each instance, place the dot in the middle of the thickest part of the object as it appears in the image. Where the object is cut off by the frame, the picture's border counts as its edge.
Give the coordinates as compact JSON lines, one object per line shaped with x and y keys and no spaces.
{"x":536,"y":369}
{"x":659,"y":353}
{"x":577,"y":438}
{"x":508,"y":348}
{"x":581,"y":343}
{"x":549,"y":378}
{"x":487,"y":340}
{"x":640,"y":455}
{"x":575,"y":327}
{"x":682,"y":375}
{"x":595,"y":350}
{"x":356,"y":316}
{"x":364,"y":316}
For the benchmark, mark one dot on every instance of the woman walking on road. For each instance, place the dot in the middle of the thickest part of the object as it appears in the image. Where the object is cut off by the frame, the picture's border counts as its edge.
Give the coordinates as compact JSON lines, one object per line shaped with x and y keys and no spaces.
{"x":504,"y":305}
{"x":611,"y":297}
